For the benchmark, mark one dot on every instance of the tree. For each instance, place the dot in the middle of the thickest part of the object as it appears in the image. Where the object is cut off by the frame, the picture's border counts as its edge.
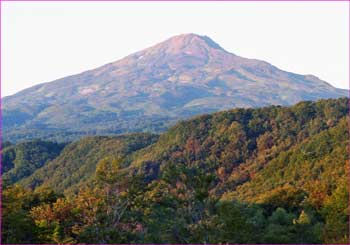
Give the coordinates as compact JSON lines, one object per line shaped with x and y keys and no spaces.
{"x":336,"y":212}
{"x":17,"y":227}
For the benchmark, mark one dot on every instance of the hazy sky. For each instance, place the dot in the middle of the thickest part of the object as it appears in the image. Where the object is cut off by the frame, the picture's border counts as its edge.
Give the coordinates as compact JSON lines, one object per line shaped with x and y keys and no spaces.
{"x":43,"y":41}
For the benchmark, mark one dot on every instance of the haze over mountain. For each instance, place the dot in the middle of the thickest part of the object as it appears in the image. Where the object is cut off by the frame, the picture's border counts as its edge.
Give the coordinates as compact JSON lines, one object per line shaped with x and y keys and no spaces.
{"x":146,"y":91}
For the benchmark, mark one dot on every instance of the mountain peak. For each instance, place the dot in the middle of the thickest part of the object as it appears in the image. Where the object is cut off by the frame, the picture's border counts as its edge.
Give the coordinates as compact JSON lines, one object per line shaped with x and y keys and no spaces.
{"x":189,"y":43}
{"x":190,"y":38}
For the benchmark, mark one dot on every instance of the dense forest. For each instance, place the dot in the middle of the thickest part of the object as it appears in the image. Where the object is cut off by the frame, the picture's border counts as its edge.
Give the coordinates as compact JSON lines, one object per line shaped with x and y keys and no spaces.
{"x":266,"y":175}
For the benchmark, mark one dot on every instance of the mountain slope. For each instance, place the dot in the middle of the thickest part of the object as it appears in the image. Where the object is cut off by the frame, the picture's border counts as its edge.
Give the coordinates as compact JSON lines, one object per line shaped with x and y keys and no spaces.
{"x":240,"y":142}
{"x":315,"y":166}
{"x":77,"y":162}
{"x":235,"y":145}
{"x":148,"y":90}
{"x":21,"y":160}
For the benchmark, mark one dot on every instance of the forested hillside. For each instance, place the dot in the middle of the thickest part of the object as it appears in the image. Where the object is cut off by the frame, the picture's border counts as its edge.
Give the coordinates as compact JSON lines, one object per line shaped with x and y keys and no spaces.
{"x":77,"y":163}
{"x":21,"y":160}
{"x":265,"y":175}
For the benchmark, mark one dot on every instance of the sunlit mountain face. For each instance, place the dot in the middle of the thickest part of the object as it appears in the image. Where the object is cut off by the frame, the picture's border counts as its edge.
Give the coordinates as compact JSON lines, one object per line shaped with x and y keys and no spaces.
{"x":183,"y":76}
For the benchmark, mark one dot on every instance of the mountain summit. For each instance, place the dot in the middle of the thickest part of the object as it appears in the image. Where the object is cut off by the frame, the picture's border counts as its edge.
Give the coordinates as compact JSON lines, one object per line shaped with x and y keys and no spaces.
{"x":188,"y":43}
{"x":183,"y":76}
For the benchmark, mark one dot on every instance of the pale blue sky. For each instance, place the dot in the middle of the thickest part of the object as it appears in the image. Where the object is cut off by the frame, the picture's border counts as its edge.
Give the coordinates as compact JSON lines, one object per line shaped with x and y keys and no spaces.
{"x":43,"y":41}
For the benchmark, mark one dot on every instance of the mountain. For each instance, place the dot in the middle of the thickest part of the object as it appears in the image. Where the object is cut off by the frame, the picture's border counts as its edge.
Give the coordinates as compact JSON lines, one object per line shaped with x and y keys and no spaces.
{"x":183,"y":76}
{"x":265,"y":175}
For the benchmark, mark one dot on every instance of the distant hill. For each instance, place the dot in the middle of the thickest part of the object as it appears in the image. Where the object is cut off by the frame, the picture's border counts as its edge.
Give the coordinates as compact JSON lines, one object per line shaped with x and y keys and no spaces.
{"x":21,"y":160}
{"x":149,"y":90}
{"x":76,"y":164}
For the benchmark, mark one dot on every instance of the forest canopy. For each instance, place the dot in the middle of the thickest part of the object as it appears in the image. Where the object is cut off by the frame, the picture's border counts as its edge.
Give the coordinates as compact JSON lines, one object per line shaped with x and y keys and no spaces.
{"x":266,"y":175}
